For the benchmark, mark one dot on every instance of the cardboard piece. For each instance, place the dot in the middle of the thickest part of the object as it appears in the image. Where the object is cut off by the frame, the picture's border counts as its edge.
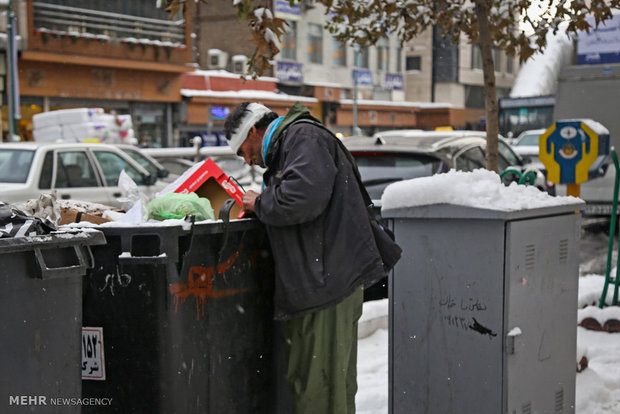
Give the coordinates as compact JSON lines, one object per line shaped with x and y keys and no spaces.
{"x":208,"y":180}
{"x":69,"y":215}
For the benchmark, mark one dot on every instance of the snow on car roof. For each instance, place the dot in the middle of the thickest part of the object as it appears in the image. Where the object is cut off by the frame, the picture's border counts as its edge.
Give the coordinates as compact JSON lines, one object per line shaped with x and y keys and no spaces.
{"x":420,"y":141}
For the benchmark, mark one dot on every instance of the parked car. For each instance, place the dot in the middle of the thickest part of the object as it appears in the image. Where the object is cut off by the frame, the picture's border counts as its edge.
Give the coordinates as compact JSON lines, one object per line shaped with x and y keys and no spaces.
{"x":526,"y":144}
{"x":77,"y":171}
{"x":390,"y":157}
{"x":148,"y":162}
{"x":176,"y":165}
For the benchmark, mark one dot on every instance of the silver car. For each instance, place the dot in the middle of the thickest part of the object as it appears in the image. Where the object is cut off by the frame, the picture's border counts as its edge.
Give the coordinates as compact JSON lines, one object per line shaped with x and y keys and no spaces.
{"x":390,"y":157}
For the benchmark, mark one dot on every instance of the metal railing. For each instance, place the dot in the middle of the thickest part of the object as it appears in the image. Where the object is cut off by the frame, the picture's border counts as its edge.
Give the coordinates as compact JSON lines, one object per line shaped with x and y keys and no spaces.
{"x":114,"y":27}
{"x":196,"y":152}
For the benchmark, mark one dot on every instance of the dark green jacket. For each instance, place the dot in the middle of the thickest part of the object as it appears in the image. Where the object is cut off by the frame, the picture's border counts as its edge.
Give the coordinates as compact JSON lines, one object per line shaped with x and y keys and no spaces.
{"x":316,"y":219}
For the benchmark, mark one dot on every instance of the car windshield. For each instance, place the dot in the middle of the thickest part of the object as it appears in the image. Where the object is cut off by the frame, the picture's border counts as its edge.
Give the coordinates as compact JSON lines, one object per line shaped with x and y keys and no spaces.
{"x":15,"y":165}
{"x":530,"y":139}
{"x":508,"y":155}
{"x":379,"y":169}
{"x":142,"y":160}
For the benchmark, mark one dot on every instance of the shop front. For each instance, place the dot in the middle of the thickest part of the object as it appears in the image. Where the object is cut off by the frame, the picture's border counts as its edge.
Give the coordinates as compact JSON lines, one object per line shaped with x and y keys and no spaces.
{"x":148,"y":91}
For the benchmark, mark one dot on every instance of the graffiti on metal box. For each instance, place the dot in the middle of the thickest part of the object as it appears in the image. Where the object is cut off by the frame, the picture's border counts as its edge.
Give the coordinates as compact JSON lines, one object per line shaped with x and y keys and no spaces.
{"x":200,"y":285}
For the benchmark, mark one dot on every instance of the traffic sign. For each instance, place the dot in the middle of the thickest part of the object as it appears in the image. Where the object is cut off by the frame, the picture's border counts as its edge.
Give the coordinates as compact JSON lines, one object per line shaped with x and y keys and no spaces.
{"x":574,"y":150}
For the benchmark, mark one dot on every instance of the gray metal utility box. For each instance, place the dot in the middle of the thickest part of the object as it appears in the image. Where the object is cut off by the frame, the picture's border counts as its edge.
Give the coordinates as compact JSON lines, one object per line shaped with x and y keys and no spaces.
{"x":483,"y":310}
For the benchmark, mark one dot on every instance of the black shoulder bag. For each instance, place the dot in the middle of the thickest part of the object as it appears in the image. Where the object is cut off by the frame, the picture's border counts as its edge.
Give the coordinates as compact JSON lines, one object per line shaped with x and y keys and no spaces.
{"x":389,"y":250}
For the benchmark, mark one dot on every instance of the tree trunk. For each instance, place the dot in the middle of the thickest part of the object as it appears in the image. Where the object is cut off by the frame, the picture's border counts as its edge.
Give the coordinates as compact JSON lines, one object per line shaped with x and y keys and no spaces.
{"x":490,"y":90}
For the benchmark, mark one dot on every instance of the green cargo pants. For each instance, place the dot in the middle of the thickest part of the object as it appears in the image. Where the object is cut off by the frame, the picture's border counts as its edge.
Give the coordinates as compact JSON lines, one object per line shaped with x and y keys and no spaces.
{"x":322,"y":358}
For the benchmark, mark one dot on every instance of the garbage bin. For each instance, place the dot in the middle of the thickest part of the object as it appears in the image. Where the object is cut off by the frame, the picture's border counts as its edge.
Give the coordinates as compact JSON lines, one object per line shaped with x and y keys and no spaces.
{"x":40,"y":318}
{"x":483,"y":310}
{"x":185,"y":317}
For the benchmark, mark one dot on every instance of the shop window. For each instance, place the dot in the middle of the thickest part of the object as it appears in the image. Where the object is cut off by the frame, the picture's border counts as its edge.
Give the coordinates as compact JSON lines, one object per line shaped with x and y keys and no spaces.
{"x":315,"y":43}
{"x":414,"y":63}
{"x":476,"y":56}
{"x":509,"y":63}
{"x":383,"y":55}
{"x":399,"y":59}
{"x":339,"y":54}
{"x":361,"y":57}
{"x":474,"y":96}
{"x":289,"y":41}
{"x":497,"y":62}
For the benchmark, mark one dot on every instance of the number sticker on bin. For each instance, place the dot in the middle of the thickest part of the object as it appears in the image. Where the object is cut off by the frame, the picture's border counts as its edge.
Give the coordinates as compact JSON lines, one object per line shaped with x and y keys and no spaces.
{"x":93,"y":361}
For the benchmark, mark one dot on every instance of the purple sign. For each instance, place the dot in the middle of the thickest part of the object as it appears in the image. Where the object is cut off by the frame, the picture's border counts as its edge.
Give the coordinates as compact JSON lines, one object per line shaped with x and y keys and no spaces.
{"x":290,"y":72}
{"x":394,"y":81}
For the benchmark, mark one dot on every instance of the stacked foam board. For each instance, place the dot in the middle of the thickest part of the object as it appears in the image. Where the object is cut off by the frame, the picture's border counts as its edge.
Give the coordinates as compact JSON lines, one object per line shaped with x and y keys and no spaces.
{"x":82,"y":125}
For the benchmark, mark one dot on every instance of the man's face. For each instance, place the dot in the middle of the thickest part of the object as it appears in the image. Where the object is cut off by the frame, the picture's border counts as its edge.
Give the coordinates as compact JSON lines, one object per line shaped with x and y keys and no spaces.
{"x":250,"y":150}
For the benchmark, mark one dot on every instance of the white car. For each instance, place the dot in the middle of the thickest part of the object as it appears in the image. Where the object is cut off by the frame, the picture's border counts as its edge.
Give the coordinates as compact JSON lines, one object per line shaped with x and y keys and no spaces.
{"x":77,"y":171}
{"x":526,"y":144}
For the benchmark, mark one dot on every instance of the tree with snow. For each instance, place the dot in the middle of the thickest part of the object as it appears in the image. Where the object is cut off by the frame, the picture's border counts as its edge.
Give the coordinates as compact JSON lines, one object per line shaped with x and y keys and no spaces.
{"x":518,"y":27}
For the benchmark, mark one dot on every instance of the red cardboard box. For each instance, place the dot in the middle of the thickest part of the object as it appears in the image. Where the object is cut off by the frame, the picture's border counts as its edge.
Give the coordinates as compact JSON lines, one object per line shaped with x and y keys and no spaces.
{"x":208,"y":180}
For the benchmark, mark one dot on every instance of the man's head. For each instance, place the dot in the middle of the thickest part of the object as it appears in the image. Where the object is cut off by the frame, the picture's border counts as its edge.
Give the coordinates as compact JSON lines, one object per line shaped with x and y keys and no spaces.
{"x":244,"y":128}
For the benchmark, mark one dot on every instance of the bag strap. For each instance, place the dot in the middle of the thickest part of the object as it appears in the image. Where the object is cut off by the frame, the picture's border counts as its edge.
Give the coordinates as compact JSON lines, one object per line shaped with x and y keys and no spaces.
{"x":356,"y":172}
{"x":367,"y":200}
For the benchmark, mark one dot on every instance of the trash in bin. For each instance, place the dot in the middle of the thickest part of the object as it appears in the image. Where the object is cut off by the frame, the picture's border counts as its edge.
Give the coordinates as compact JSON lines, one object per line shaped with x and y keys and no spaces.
{"x":207,"y":180}
{"x":41,"y":315}
{"x":16,"y":223}
{"x":177,"y":206}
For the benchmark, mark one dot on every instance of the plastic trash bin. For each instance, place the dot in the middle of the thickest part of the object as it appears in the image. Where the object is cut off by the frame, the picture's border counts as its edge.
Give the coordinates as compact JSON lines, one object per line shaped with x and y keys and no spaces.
{"x":186,"y":319}
{"x":41,"y":318}
{"x":483,"y":310}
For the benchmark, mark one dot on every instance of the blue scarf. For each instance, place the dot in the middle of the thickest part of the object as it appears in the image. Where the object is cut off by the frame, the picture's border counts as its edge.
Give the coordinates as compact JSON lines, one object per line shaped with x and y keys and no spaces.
{"x":269,"y":134}
{"x":267,"y":138}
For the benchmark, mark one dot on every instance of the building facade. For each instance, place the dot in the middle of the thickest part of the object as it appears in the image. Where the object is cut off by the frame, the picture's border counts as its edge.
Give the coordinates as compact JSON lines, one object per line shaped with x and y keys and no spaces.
{"x":439,"y":71}
{"x":342,"y":78}
{"x":125,"y":57}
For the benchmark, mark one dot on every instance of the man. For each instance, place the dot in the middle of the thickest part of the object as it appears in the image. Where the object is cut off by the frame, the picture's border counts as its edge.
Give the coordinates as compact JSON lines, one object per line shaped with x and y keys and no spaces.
{"x":322,"y":243}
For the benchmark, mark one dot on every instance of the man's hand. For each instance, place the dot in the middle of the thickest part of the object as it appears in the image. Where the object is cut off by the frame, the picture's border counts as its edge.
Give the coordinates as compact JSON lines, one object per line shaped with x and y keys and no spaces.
{"x":249,"y":198}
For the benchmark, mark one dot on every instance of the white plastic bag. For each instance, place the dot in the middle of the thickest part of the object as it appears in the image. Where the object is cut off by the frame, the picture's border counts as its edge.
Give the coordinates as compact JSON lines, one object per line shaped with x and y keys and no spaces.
{"x":133,"y":200}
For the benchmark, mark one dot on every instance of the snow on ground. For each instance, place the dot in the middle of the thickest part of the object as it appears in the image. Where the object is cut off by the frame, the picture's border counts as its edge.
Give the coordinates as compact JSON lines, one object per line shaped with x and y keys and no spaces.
{"x":597,"y":387}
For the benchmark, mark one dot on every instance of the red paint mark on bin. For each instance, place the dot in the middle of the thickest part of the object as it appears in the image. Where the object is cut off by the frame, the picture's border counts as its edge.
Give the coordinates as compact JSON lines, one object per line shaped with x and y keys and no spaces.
{"x":200,"y":285}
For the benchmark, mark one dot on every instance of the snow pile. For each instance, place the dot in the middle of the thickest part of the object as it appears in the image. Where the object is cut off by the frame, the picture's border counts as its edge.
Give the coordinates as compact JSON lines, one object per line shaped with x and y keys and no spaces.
{"x":539,"y":74}
{"x":480,"y":188}
{"x":591,"y":288}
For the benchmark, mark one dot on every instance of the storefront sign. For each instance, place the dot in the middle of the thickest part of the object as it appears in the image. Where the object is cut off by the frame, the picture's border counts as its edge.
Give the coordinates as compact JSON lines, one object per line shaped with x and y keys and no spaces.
{"x":219,"y":113}
{"x":290,"y":72}
{"x":284,"y":10}
{"x":364,"y":77}
{"x":600,"y":45}
{"x":394,"y":81}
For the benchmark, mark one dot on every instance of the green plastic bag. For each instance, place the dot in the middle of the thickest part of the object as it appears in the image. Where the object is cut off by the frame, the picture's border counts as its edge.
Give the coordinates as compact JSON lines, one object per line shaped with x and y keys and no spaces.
{"x":177,"y":206}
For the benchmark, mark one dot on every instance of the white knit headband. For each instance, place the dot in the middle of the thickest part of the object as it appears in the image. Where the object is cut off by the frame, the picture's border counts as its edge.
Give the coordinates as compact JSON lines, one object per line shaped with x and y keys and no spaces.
{"x":255,"y":112}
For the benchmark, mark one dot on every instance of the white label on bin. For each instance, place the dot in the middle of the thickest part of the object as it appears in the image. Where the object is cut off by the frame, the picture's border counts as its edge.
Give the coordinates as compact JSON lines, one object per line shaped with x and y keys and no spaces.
{"x":93,"y":362}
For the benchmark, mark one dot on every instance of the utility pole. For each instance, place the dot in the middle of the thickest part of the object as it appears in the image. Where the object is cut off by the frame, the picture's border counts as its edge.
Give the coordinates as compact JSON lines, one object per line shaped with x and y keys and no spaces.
{"x":11,"y":71}
{"x":356,"y":129}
